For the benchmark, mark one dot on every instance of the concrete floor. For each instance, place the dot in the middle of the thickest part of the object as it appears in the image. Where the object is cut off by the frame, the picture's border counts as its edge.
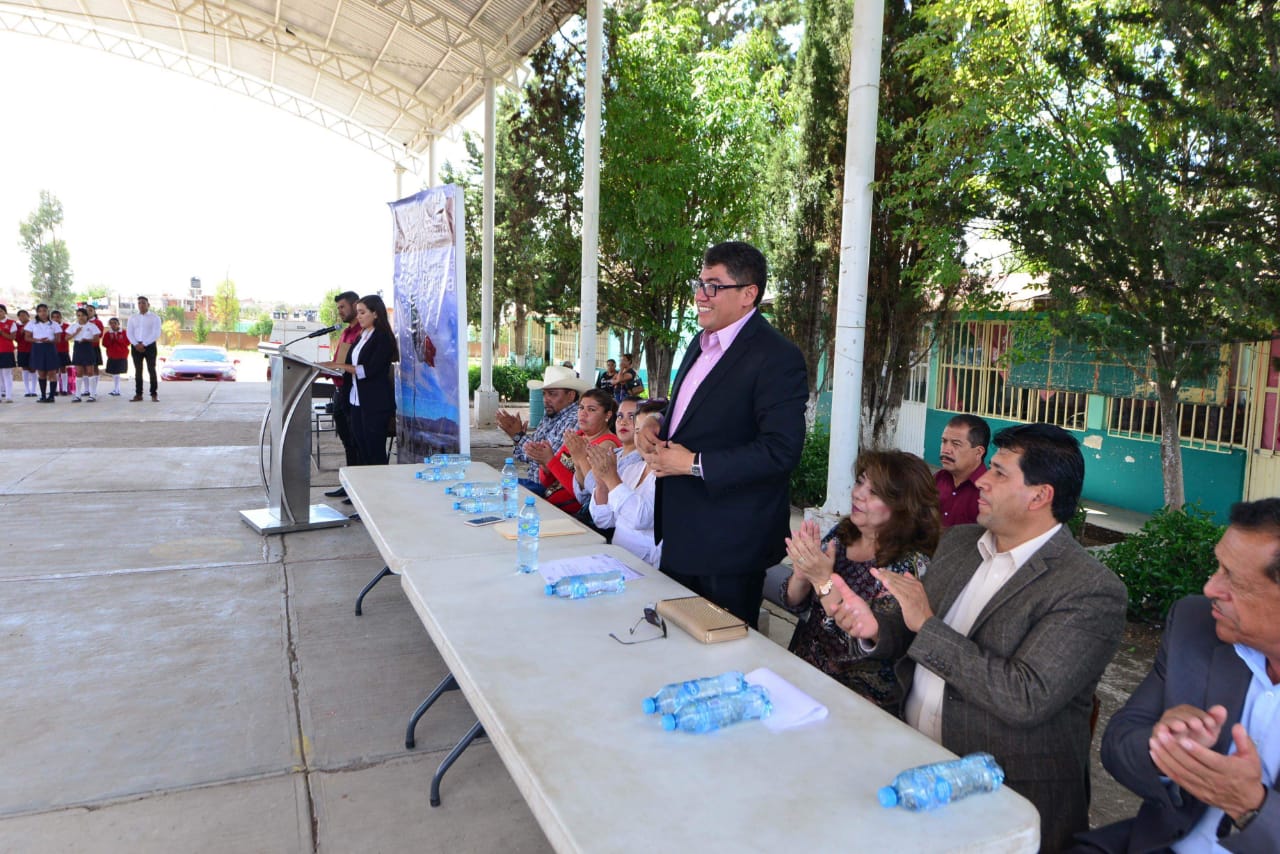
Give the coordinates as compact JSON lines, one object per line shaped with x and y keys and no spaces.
{"x":175,"y":682}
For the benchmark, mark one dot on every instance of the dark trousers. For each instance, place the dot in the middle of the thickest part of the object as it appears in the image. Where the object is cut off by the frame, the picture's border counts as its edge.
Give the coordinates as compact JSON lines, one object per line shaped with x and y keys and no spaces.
{"x":740,"y":595}
{"x":344,"y":428}
{"x":149,"y":356}
{"x":370,"y":427}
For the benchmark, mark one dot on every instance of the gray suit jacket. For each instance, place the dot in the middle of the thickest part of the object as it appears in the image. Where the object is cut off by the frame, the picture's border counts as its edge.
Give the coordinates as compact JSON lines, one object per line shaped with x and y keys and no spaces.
{"x":1020,"y":685}
{"x":1205,"y":672}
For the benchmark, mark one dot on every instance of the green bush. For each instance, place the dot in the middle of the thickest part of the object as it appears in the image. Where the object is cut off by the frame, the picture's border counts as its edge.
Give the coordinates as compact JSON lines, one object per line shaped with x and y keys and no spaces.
{"x":809,"y":480}
{"x":1077,"y":521}
{"x":508,"y":380}
{"x":1171,"y":557}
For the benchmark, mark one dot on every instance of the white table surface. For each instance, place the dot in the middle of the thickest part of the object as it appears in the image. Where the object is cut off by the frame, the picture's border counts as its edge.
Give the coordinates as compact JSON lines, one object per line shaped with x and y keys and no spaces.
{"x":411,"y":519}
{"x":561,"y":702}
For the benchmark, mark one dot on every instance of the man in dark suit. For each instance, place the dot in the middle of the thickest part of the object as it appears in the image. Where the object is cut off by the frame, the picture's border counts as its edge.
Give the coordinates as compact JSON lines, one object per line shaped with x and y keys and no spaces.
{"x":731,"y":436}
{"x":1199,"y":739}
{"x":1001,"y":645}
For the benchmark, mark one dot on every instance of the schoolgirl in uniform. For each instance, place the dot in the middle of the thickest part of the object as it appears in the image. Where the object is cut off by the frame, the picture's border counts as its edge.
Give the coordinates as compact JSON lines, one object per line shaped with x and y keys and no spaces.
{"x":84,"y":335}
{"x":63,"y":346}
{"x":8,"y":347}
{"x":116,"y":340}
{"x":24,"y":355}
{"x":43,"y":334}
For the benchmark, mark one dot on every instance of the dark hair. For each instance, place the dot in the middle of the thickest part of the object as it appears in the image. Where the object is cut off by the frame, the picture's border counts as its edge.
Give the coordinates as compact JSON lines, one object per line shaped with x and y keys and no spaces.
{"x":745,"y":263}
{"x":350,"y":296}
{"x":83,"y":311}
{"x":55,"y":311}
{"x":381,"y":323}
{"x":979,"y":431}
{"x":43,"y":305}
{"x":143,"y":299}
{"x":649,"y":407}
{"x":1049,"y":455}
{"x":3,"y":307}
{"x":1261,"y":517}
{"x":905,"y":484}
{"x":605,"y":400}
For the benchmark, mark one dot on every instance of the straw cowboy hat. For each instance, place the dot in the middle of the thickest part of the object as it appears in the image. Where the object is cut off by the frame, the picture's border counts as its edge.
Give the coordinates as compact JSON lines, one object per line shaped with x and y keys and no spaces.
{"x":557,"y":376}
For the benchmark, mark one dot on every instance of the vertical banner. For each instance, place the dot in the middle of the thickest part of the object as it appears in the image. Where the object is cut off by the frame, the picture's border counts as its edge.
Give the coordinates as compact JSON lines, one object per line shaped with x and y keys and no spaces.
{"x":432,"y":415}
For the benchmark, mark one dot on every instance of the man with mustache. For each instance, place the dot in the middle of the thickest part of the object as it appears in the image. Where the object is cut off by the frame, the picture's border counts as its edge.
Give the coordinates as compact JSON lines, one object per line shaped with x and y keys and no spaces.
{"x":964,"y":447}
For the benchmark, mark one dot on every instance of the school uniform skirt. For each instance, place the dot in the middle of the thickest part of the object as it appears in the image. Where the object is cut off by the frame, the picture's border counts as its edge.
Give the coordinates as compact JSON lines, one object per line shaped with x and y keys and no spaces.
{"x":7,"y":361}
{"x":24,"y":359}
{"x":85,"y":354}
{"x":117,"y":366}
{"x":64,"y":359}
{"x":44,"y":356}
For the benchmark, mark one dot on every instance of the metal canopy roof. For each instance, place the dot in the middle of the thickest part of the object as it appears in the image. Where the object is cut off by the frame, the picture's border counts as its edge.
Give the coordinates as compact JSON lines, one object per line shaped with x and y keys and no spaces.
{"x":390,"y":74}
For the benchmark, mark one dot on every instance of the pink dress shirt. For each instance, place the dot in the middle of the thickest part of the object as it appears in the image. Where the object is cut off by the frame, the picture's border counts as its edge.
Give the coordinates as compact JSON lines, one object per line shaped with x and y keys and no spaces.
{"x":714,"y":345}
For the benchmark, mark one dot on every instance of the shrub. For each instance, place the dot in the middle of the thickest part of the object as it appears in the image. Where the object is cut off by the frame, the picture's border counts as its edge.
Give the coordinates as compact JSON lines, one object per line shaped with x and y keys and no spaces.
{"x":1077,"y":521}
{"x":1171,"y":557}
{"x":508,"y":380}
{"x":809,"y":480}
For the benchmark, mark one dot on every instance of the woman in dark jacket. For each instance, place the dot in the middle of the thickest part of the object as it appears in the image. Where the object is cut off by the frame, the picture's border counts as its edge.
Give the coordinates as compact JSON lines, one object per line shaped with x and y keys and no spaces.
{"x":372,"y":395}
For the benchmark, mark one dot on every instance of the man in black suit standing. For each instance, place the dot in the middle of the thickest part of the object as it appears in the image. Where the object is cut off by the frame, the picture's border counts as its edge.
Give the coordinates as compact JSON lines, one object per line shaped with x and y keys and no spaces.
{"x":729,"y":440}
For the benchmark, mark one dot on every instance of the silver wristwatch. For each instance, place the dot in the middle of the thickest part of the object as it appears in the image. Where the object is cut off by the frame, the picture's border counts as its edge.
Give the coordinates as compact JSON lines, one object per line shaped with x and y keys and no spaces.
{"x":696,"y":468}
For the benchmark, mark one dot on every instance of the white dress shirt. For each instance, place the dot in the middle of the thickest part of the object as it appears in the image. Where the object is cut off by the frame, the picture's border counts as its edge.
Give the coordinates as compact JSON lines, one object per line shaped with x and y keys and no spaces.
{"x":354,"y":397}
{"x":629,"y":510}
{"x":923,"y":709}
{"x":144,"y":329}
{"x":1261,"y":717}
{"x":88,"y":332}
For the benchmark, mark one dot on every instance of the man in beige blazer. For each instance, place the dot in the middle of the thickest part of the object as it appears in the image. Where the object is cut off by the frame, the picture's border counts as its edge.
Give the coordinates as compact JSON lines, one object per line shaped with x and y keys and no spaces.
{"x":1001,"y":645}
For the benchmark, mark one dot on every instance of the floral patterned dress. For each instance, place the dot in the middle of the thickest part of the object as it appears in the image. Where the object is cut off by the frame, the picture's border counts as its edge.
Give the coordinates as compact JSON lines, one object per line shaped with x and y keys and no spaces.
{"x":819,"y":641}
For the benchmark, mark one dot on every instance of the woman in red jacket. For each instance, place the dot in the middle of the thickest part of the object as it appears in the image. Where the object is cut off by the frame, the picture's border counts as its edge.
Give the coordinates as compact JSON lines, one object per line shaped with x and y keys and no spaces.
{"x":570,"y":463}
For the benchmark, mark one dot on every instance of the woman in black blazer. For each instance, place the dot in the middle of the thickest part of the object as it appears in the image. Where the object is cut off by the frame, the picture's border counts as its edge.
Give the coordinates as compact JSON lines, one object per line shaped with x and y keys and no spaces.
{"x":372,"y":394}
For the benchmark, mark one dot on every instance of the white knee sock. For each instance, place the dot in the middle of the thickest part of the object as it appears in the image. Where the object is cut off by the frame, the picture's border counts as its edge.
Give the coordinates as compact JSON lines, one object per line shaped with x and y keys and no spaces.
{"x":93,"y":385}
{"x":29,"y":381}
{"x":116,"y":377}
{"x":6,"y":382}
{"x":62,"y":382}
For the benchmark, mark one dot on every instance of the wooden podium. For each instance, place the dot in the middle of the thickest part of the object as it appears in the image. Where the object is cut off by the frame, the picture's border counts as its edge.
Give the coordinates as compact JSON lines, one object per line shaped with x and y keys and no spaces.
{"x":288,"y":481}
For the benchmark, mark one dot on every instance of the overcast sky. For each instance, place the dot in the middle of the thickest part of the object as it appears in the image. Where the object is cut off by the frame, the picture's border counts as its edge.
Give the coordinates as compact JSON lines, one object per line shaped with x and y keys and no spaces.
{"x":163,"y":177}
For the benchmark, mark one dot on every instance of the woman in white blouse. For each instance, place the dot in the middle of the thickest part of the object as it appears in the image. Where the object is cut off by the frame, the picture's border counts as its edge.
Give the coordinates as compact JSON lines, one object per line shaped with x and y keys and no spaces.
{"x":624,"y":486}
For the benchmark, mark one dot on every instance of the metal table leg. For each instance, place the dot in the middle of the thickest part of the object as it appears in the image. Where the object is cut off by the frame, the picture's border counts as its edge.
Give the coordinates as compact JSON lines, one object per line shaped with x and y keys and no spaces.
{"x":386,"y":570}
{"x":448,"y":683}
{"x":471,"y":736}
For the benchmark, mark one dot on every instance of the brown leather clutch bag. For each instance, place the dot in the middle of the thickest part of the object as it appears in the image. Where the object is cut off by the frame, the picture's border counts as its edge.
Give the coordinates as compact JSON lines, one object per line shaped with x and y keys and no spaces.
{"x":704,"y":621}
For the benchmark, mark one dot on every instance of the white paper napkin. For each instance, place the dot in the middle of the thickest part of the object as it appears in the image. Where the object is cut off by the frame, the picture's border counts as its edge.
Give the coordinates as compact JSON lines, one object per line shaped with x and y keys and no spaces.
{"x":791,"y":706}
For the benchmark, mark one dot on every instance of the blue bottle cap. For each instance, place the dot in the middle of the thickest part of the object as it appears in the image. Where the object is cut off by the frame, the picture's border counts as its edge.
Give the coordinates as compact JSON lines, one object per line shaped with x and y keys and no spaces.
{"x":528,"y":502}
{"x":888,"y":796}
{"x":457,"y":505}
{"x":650,"y":705}
{"x":511,"y":460}
{"x":668,"y":722}
{"x":551,"y":590}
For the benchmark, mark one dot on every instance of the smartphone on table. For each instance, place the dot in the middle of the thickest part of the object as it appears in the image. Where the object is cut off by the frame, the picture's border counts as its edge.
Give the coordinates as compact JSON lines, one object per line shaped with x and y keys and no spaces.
{"x":481,"y":521}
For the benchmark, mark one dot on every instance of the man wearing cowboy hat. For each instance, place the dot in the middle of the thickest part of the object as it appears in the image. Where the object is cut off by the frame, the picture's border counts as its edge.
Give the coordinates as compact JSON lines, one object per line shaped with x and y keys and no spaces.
{"x":560,"y":390}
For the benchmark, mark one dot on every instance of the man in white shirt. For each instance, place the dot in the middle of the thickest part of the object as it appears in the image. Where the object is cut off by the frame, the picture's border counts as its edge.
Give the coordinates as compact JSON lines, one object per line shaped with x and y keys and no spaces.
{"x":1001,"y":645}
{"x":144,"y":332}
{"x":1199,"y":739}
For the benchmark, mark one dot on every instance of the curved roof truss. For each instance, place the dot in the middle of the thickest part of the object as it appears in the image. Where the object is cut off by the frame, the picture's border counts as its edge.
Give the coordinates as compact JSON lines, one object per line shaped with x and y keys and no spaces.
{"x":388,"y":74}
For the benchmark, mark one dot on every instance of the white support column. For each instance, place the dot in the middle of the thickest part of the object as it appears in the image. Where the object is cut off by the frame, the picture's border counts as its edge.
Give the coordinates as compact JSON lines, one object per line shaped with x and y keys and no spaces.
{"x":591,"y":191}
{"x":486,"y":395}
{"x":855,"y":252}
{"x":431,"y":161}
{"x":399,"y":170}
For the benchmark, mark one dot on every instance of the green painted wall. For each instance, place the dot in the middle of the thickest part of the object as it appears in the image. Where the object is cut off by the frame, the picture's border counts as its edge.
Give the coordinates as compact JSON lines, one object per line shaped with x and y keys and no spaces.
{"x":1126,"y":472}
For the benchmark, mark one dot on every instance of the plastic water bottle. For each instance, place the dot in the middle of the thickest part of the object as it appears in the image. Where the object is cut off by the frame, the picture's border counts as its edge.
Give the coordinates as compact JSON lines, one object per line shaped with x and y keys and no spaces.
{"x":671,"y":697}
{"x":479,"y":504}
{"x":927,"y":787}
{"x":527,"y":526}
{"x":448,"y":459}
{"x":432,"y":473}
{"x":510,"y":489}
{"x":710,"y":713}
{"x":591,"y":584}
{"x":473,"y":489}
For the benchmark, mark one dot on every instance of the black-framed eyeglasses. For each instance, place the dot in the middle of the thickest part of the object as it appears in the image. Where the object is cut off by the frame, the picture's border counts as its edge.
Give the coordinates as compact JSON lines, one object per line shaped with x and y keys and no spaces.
{"x":651,"y":617}
{"x":709,"y":290}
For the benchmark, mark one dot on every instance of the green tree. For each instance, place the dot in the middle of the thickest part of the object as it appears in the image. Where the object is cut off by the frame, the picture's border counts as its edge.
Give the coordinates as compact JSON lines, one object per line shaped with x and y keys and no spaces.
{"x":669,"y":193}
{"x":1134,"y":160}
{"x":202,"y":328}
{"x":328,"y":308}
{"x":226,"y":306}
{"x":171,"y":330}
{"x":48,"y":258}
{"x":263,"y":325}
{"x":92,"y":293}
{"x":174,"y":313}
